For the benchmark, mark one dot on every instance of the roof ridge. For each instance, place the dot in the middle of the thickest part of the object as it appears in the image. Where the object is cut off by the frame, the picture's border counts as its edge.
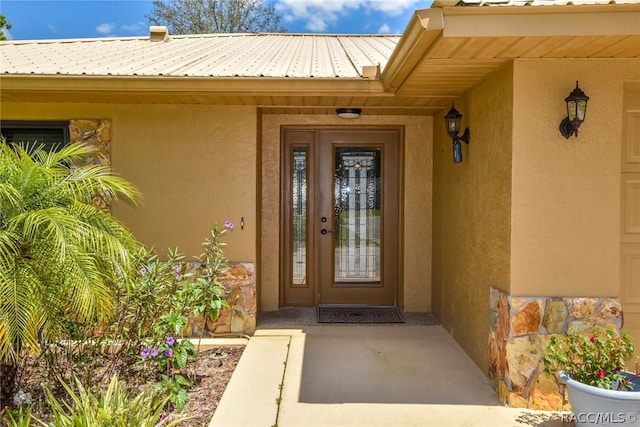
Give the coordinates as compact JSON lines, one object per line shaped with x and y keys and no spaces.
{"x":194,"y":36}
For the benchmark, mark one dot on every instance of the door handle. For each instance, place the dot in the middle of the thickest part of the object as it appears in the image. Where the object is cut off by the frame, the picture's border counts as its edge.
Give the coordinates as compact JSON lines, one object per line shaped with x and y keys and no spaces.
{"x":325,"y":231}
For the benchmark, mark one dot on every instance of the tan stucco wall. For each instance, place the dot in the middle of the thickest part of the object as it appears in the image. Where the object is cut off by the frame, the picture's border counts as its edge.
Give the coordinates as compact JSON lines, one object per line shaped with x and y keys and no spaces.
{"x":417,"y":170}
{"x":472,"y":210}
{"x":550,"y":223}
{"x":195,"y":165}
{"x":566,"y":193}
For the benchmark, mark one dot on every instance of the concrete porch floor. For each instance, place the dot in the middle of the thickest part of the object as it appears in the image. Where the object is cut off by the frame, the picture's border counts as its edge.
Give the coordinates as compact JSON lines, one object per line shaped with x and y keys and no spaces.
{"x":411,"y":374}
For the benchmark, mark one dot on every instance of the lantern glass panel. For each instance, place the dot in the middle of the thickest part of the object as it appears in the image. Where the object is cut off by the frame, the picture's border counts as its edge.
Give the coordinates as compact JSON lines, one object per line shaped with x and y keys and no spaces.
{"x":453,"y":124}
{"x":581,"y":110}
{"x":571,"y":110}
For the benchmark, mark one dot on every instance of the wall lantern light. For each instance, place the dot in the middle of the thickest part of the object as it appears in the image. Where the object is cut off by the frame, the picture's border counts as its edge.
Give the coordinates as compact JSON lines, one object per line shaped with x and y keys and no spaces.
{"x":348,"y":113}
{"x":452,"y":122}
{"x":576,"y":110}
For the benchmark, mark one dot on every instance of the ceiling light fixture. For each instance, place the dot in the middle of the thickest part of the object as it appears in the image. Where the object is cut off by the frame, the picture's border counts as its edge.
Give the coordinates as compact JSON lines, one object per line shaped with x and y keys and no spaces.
{"x":348,"y":113}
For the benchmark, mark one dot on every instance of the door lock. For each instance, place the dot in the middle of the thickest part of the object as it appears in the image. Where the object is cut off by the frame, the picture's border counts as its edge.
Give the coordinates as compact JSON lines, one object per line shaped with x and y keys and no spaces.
{"x":325,"y":231}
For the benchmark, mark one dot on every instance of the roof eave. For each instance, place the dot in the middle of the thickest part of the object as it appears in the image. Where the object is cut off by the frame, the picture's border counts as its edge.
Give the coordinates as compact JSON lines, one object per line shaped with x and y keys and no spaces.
{"x":424,"y":28}
{"x":429,"y":28}
{"x":232,"y":86}
{"x":559,"y":20}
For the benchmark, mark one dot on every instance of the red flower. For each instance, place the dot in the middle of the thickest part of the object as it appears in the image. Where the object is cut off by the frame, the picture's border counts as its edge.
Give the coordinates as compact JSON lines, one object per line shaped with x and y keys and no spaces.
{"x":601,"y":374}
{"x":592,"y":339}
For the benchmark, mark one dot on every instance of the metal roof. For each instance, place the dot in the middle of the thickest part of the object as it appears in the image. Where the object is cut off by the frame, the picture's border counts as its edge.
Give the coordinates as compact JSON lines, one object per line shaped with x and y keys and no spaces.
{"x":448,"y":3}
{"x":211,"y":55}
{"x":443,"y":52}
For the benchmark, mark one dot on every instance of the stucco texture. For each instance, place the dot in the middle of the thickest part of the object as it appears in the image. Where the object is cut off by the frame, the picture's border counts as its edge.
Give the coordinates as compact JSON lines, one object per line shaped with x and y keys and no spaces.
{"x":472,"y":211}
{"x":566,"y":192}
{"x":195,"y":165}
{"x":528,"y":211}
{"x":415,"y":210}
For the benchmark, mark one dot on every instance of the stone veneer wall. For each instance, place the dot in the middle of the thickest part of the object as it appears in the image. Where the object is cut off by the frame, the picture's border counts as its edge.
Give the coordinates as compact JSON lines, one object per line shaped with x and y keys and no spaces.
{"x":240,"y":317}
{"x":95,"y":133}
{"x":521,"y":328}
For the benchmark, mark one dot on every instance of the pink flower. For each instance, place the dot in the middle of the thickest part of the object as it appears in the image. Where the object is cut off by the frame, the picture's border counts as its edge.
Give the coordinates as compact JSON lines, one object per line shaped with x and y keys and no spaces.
{"x":600,"y":374}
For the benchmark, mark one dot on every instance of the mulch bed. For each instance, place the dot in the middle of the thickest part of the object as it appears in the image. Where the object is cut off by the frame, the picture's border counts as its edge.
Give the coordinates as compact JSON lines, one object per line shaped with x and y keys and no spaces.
{"x":213,"y":370}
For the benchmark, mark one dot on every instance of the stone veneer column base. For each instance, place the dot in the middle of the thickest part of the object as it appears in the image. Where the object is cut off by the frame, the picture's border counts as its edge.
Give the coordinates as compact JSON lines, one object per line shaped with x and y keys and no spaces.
{"x":521,"y":328}
{"x":240,"y":317}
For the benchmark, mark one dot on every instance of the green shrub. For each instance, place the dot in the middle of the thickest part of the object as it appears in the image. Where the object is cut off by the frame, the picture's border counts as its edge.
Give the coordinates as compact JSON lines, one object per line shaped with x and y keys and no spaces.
{"x":20,"y":417}
{"x":61,"y":255}
{"x":111,"y":408}
{"x":597,"y":360}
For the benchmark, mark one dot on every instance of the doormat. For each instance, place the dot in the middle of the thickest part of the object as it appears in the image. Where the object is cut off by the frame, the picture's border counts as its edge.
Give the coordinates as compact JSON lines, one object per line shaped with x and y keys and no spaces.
{"x":359,"y":314}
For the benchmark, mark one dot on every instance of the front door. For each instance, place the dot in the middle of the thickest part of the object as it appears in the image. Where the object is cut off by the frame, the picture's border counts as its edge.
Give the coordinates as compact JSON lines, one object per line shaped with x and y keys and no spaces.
{"x":341,"y":208}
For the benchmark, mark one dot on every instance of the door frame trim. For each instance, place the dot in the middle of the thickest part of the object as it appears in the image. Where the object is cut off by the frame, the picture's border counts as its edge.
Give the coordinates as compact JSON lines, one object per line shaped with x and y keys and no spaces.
{"x":284,"y":245}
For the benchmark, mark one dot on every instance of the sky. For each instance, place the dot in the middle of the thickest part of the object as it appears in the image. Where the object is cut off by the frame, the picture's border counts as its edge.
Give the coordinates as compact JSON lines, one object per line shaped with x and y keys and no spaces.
{"x":63,"y":19}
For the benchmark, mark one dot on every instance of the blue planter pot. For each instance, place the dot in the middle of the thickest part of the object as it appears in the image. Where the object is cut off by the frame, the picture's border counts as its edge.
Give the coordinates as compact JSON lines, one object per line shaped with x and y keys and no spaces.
{"x":593,"y":406}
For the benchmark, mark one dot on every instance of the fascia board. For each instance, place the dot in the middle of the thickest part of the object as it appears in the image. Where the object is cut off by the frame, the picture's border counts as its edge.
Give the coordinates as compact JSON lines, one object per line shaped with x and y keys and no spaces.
{"x":211,"y":86}
{"x":542,"y":21}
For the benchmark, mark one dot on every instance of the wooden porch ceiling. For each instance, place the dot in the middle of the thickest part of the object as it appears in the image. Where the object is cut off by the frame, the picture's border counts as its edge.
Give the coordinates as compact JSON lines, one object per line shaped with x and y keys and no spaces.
{"x":446,"y":51}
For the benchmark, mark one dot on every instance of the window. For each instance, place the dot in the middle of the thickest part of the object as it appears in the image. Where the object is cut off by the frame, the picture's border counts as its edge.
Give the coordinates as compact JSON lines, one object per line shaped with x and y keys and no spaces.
{"x":52,"y":135}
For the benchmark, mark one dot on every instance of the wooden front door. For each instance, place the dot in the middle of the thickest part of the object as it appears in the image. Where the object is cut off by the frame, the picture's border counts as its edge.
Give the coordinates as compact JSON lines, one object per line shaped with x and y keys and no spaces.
{"x":340,"y":212}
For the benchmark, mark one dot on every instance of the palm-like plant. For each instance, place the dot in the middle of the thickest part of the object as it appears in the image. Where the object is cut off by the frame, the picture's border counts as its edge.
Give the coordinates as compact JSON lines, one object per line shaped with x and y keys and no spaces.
{"x":61,"y":257}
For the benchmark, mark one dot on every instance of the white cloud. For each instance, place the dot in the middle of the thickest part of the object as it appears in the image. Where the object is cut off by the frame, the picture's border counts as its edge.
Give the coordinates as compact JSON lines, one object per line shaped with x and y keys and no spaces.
{"x":316,"y":24}
{"x":392,"y":7}
{"x":106,"y":28}
{"x":110,"y":29}
{"x":321,"y":15}
{"x":384,"y":29}
{"x":136,"y":27}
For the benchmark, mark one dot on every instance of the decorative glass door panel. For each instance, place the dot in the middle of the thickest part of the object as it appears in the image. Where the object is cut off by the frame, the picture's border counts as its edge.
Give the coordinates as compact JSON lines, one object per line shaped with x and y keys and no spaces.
{"x":357,"y":222}
{"x":297,"y":207}
{"x":299,"y":220}
{"x":340,"y":215}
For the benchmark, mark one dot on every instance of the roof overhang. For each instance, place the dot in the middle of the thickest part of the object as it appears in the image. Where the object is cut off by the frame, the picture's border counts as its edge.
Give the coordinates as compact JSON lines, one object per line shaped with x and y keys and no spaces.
{"x":443,"y":52}
{"x":215,"y":86}
{"x":446,"y":51}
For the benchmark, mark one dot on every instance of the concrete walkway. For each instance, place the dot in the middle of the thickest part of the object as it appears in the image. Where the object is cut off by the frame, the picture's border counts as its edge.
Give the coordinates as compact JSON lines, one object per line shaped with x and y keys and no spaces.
{"x":411,"y":374}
